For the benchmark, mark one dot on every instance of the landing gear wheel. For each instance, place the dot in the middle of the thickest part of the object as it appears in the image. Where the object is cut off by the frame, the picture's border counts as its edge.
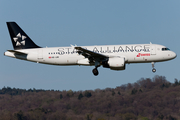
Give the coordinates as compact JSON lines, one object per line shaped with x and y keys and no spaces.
{"x":95,"y":71}
{"x":153,"y":70}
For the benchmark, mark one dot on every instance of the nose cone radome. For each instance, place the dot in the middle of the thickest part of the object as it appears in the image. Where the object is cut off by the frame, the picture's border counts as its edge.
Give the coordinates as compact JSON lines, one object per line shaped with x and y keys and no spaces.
{"x":173,"y":54}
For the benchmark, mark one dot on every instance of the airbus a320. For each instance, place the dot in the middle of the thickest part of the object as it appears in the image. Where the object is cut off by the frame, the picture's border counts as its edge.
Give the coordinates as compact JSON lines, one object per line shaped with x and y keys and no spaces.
{"x":114,"y":57}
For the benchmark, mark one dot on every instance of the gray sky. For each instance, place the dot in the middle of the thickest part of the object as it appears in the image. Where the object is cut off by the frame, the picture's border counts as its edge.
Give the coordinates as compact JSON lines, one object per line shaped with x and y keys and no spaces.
{"x":101,"y":22}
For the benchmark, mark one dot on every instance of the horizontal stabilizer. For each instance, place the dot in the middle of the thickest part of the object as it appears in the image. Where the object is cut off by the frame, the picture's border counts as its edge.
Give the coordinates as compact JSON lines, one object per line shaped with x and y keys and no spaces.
{"x":17,"y":52}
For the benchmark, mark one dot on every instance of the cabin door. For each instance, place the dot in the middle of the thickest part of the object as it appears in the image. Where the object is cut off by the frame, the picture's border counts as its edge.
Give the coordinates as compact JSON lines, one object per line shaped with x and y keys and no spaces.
{"x":153,"y":50}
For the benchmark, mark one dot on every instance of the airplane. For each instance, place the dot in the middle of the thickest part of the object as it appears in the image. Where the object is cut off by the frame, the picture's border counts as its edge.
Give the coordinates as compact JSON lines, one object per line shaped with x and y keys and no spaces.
{"x":114,"y":57}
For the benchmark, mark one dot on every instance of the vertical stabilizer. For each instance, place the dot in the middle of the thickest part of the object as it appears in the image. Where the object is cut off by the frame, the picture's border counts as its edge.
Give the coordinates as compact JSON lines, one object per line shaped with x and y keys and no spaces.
{"x":19,"y":38}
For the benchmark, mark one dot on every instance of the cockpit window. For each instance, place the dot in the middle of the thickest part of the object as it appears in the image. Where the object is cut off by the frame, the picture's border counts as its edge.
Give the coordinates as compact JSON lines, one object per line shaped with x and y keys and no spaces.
{"x":165,"y":49}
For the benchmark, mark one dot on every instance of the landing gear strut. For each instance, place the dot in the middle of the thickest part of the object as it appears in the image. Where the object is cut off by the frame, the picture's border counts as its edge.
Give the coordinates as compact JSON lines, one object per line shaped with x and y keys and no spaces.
{"x":153,"y":70}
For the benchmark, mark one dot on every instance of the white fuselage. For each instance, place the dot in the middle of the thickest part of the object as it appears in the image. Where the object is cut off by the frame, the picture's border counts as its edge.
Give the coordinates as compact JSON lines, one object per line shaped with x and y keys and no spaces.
{"x":135,"y":53}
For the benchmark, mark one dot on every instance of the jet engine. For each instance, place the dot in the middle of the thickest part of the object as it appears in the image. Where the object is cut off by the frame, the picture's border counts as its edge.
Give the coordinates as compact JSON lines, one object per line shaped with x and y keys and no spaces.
{"x":115,"y":63}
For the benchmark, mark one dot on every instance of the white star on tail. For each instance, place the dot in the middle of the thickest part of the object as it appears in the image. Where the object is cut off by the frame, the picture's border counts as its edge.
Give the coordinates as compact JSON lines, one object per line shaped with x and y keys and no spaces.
{"x":19,"y":39}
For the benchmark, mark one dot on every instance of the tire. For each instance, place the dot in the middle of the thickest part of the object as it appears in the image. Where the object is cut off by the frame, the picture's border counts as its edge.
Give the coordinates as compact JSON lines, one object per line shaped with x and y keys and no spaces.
{"x":153,"y":70}
{"x":95,"y":71}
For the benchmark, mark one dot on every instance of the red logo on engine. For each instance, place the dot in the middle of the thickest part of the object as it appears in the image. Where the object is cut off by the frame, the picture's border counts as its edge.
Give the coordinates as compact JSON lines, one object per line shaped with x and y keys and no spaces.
{"x":146,"y":54}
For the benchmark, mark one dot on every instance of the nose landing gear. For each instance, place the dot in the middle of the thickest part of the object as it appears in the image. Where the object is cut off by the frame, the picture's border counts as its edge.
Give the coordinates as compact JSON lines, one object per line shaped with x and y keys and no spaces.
{"x":153,"y":70}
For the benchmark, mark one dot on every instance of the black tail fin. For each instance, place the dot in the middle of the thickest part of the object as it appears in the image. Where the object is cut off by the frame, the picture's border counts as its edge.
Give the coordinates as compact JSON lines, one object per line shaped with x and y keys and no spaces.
{"x":19,"y":38}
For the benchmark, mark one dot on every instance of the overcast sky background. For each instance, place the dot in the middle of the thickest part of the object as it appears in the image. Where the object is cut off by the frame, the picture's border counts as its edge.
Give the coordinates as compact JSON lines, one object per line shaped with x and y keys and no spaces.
{"x":101,"y":22}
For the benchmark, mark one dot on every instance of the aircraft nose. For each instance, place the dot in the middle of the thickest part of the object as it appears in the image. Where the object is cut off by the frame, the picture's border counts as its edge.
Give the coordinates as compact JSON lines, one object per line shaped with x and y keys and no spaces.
{"x":173,"y":55}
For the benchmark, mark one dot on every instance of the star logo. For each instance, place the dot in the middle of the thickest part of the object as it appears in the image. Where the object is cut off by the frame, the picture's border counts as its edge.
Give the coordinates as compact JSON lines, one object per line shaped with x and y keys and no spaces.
{"x":19,"y":39}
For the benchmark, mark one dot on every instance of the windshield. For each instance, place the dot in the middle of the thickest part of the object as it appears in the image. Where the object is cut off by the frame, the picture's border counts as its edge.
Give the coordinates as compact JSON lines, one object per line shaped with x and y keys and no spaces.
{"x":165,"y":49}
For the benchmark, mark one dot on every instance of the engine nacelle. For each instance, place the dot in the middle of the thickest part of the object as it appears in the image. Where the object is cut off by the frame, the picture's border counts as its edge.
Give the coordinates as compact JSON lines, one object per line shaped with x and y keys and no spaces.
{"x":115,"y":64}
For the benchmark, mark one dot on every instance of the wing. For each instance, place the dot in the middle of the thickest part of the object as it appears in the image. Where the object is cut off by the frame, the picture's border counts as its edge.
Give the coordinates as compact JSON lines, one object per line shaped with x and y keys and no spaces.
{"x":93,"y":57}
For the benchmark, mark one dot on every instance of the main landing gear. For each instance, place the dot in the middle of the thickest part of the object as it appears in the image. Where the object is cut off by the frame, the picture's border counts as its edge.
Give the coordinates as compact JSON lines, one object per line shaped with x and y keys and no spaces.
{"x":153,"y":70}
{"x":95,"y":70}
